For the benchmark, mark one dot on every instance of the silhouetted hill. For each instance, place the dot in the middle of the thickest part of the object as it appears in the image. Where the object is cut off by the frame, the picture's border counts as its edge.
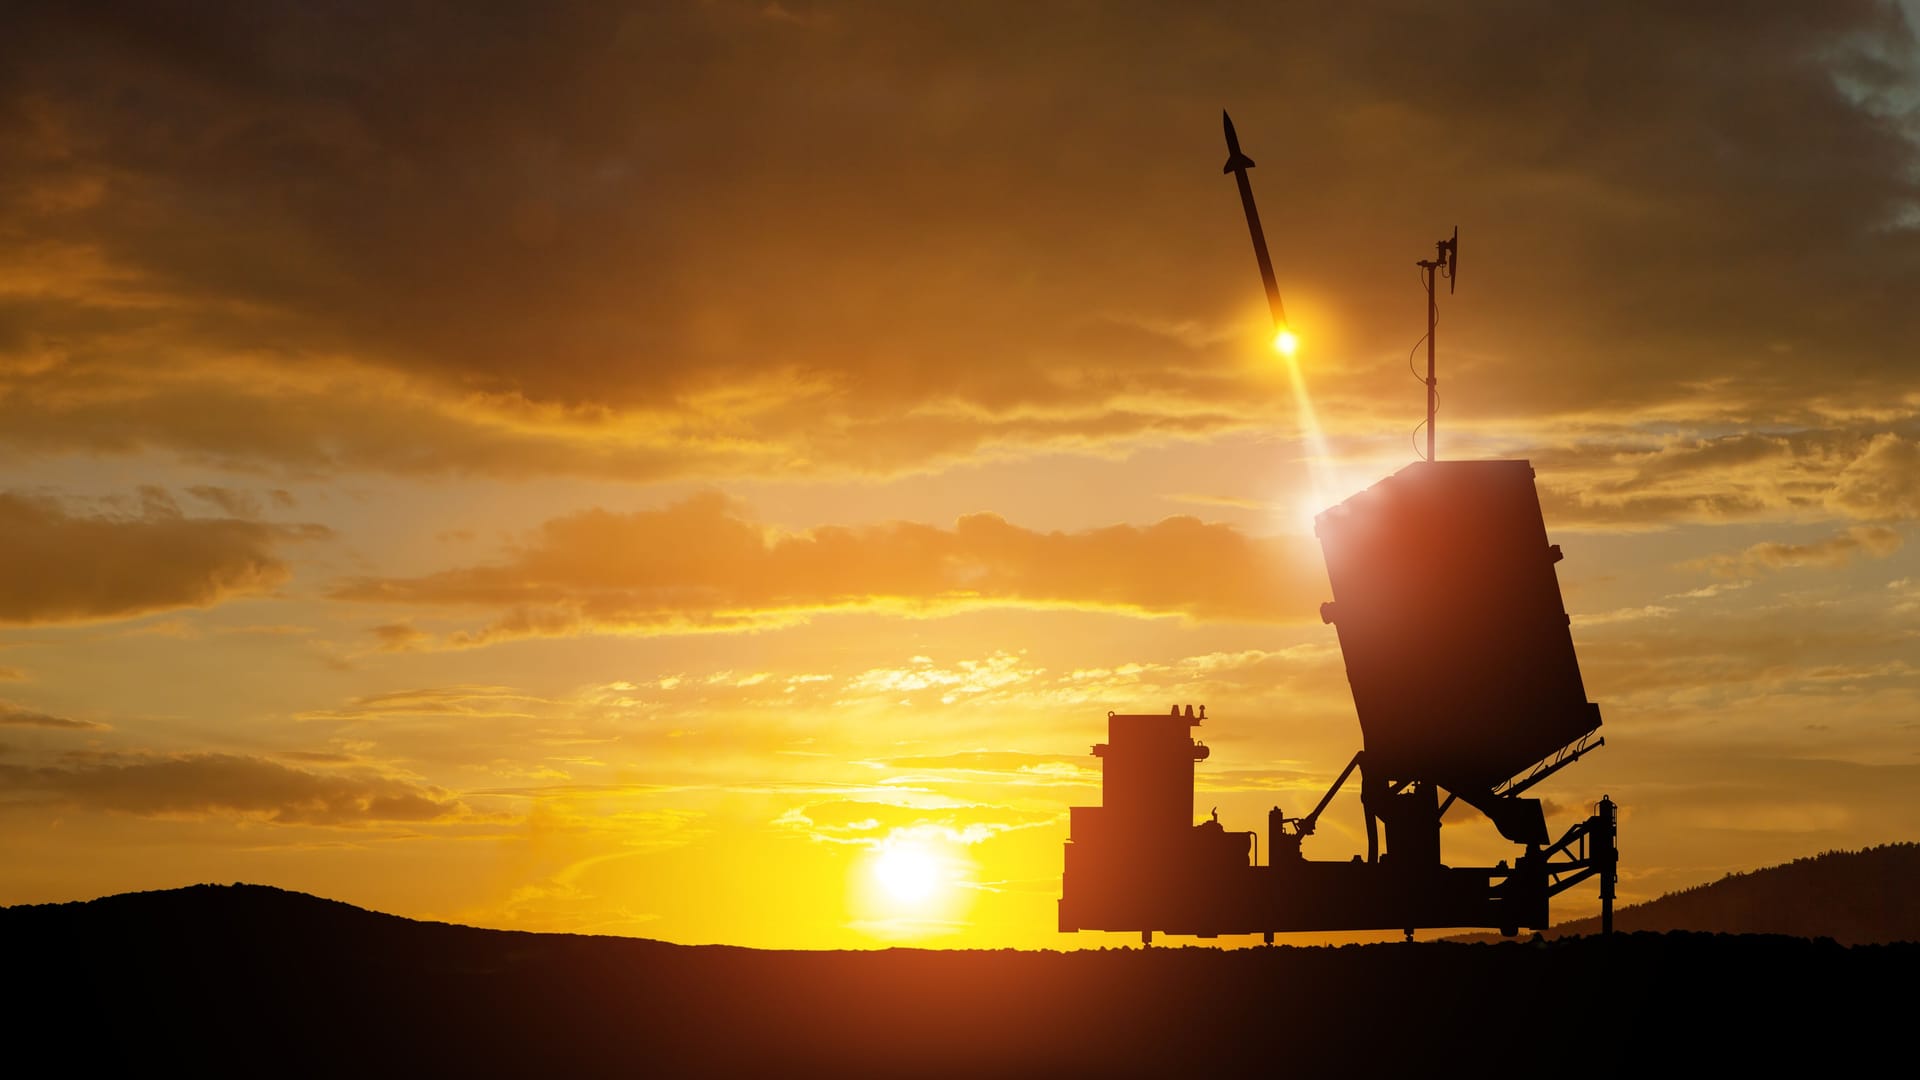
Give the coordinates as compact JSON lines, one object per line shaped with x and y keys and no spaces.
{"x":242,"y":979}
{"x":1854,"y":897}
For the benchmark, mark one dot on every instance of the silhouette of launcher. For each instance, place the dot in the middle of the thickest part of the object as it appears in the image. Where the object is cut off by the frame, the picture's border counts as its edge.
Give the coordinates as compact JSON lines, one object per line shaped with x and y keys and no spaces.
{"x":1465,"y":680}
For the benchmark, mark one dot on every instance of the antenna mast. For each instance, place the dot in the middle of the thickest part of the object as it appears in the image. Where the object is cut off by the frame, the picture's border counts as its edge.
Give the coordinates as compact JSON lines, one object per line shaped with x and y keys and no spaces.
{"x":1446,"y":259}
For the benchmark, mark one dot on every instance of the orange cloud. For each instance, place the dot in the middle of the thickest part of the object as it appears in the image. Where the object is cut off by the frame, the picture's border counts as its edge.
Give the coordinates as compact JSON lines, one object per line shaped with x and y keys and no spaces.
{"x":1884,"y":481}
{"x":66,"y":567}
{"x":699,"y":565}
{"x":398,"y":637}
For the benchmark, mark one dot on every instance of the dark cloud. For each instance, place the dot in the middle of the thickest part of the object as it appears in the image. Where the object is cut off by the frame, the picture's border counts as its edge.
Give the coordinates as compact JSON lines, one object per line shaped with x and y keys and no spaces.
{"x":399,"y":637}
{"x":317,"y":757}
{"x":203,"y":784}
{"x":1564,"y":505}
{"x":695,"y":238}
{"x":1694,"y":456}
{"x":13,"y":715}
{"x":699,"y":565}
{"x":1764,"y":652}
{"x":1870,"y":541}
{"x":1843,"y":470}
{"x":142,"y":558}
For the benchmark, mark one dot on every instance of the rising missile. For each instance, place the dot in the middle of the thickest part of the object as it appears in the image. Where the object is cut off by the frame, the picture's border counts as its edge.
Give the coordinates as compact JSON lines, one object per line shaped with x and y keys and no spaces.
{"x":1238,"y":164}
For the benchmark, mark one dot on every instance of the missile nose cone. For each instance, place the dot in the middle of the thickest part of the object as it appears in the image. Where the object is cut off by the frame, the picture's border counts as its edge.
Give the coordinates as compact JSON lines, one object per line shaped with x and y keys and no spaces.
{"x":1235,"y":159}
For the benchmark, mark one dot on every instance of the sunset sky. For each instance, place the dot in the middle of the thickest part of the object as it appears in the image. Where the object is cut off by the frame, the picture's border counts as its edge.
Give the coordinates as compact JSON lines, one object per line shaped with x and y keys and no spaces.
{"x":706,"y":470}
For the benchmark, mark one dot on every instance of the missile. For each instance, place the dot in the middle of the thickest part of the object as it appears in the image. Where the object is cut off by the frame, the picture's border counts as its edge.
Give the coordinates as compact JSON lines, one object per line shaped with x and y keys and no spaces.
{"x":1238,"y":164}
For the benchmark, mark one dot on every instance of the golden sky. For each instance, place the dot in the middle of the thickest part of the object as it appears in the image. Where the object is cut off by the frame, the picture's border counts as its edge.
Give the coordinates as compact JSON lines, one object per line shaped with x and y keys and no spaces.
{"x":705,"y":470}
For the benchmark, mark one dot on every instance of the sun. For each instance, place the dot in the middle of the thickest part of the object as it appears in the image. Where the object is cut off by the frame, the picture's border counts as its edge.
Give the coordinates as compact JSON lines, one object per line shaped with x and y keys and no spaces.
{"x":908,"y":873}
{"x":914,"y":884}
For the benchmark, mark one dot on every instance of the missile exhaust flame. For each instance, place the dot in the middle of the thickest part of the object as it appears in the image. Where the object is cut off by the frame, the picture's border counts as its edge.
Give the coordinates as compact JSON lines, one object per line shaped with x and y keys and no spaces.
{"x":1285,"y":342}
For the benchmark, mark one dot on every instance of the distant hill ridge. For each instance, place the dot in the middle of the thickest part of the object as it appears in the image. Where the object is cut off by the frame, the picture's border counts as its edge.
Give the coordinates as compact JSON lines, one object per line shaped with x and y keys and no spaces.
{"x":249,"y":980}
{"x":1865,"y":897}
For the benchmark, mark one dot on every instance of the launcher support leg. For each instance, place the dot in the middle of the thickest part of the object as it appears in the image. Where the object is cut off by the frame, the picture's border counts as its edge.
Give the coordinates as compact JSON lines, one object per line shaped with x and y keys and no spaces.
{"x":1373,"y":794}
{"x":1607,"y":854}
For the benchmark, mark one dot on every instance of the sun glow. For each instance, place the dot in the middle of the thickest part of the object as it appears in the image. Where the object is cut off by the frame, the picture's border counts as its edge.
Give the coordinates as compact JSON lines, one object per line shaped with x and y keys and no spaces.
{"x":908,"y":873}
{"x":1319,"y":456}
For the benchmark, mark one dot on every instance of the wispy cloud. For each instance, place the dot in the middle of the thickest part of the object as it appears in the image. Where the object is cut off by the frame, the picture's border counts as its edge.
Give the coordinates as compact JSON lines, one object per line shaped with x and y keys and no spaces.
{"x":871,"y":823}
